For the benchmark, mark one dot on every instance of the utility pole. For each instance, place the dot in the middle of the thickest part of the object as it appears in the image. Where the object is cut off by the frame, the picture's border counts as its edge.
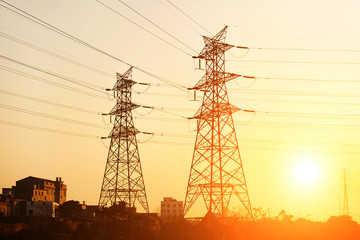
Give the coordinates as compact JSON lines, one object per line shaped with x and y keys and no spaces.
{"x":123,"y":179}
{"x":345,"y":203}
{"x":216,"y":172}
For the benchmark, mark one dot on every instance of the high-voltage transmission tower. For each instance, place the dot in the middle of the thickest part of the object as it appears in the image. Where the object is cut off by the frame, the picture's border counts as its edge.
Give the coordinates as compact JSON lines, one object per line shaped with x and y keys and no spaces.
{"x":123,"y":179}
{"x":345,"y":199}
{"x":216,"y":173}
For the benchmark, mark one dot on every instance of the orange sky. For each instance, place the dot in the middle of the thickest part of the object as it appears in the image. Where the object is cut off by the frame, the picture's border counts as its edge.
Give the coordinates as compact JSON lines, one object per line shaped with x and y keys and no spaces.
{"x":318,"y":120}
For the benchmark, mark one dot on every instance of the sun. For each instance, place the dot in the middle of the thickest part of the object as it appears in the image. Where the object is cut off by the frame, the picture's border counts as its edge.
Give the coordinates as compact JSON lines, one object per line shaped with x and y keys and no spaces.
{"x":306,"y":172}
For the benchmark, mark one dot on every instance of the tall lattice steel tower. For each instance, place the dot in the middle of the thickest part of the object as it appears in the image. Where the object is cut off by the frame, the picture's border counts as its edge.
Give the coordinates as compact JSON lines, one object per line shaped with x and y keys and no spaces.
{"x":216,"y":172}
{"x":123,"y":178}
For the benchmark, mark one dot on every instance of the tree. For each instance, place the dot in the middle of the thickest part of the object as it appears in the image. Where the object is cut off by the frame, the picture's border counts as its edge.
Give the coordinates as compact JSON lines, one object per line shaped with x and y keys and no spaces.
{"x":70,"y":210}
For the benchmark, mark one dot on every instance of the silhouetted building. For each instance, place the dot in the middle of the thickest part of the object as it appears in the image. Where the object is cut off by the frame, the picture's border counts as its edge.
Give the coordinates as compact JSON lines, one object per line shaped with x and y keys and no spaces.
{"x":9,"y":191}
{"x":39,"y":189}
{"x":33,"y":196}
{"x":5,"y":209}
{"x":171,"y":209}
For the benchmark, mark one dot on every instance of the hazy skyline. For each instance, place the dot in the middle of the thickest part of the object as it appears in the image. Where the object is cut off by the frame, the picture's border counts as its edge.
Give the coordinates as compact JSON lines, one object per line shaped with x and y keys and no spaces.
{"x":305,"y":111}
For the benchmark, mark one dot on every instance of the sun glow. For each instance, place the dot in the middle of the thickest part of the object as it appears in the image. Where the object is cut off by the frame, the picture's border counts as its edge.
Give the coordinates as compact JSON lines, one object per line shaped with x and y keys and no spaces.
{"x":306,"y":172}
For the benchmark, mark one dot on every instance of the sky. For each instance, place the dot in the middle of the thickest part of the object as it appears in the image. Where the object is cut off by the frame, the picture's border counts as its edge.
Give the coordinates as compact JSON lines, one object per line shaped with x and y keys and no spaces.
{"x":305,"y":94}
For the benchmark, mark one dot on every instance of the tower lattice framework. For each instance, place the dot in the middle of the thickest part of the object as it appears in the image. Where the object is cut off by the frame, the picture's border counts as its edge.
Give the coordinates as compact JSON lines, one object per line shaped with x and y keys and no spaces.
{"x":123,"y":179}
{"x":216,"y":172}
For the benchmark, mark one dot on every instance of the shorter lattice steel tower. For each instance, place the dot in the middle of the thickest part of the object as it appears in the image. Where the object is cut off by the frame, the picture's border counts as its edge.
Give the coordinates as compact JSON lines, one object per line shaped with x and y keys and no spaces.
{"x":216,"y":173}
{"x":123,"y":179}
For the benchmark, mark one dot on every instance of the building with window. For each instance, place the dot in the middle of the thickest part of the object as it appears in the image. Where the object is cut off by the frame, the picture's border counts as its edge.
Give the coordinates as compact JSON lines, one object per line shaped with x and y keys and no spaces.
{"x":171,"y":209}
{"x":33,"y":196}
{"x":40,"y":189}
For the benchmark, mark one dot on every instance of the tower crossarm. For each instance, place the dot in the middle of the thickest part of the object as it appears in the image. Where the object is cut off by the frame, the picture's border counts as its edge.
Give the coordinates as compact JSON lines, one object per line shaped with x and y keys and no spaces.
{"x":207,"y":112}
{"x":204,"y":82}
{"x":124,"y":107}
{"x":123,"y":132}
{"x":213,"y":46}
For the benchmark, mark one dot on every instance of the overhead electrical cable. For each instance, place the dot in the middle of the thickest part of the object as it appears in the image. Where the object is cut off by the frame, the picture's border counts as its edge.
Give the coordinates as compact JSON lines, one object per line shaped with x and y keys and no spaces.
{"x":154,"y":24}
{"x":52,"y":83}
{"x":290,"y":62}
{"x":311,"y":79}
{"x":267,"y":141}
{"x":299,"y":149}
{"x":22,"y":110}
{"x":49,"y":102}
{"x":334,"y":127}
{"x":189,"y":25}
{"x":48,"y":130}
{"x":296,"y":93}
{"x":75,"y":81}
{"x":304,"y":49}
{"x":36,"y":20}
{"x":312,"y":115}
{"x":55,"y":55}
{"x":70,"y":55}
{"x":211,"y":12}
{"x":287,"y":101}
{"x":113,"y":10}
{"x":188,"y":16}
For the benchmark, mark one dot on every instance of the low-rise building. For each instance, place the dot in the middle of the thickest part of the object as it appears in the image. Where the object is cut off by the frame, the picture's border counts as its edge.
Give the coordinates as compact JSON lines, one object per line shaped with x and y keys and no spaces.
{"x":40,"y":189}
{"x":4,"y":205}
{"x":171,"y":209}
{"x":33,"y":196}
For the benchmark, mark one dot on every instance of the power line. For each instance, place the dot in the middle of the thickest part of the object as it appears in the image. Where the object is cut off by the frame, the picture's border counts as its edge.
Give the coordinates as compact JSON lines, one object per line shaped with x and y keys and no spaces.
{"x":75,"y":81}
{"x":71,"y":37}
{"x":267,"y":141}
{"x":300,"y":49}
{"x":265,"y":100}
{"x":52,"y":83}
{"x":300,"y":62}
{"x":297,"y":93}
{"x":313,"y":115}
{"x":188,"y":16}
{"x":257,"y":148}
{"x":294,"y":27}
{"x":48,"y":130}
{"x":348,"y":127}
{"x":39,"y":114}
{"x":111,"y":9}
{"x":49,"y":102}
{"x":211,"y":12}
{"x":310,"y":79}
{"x":56,"y":49}
{"x":189,"y":25}
{"x":308,"y":49}
{"x":287,"y":101}
{"x":157,"y":26}
{"x":54,"y":54}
